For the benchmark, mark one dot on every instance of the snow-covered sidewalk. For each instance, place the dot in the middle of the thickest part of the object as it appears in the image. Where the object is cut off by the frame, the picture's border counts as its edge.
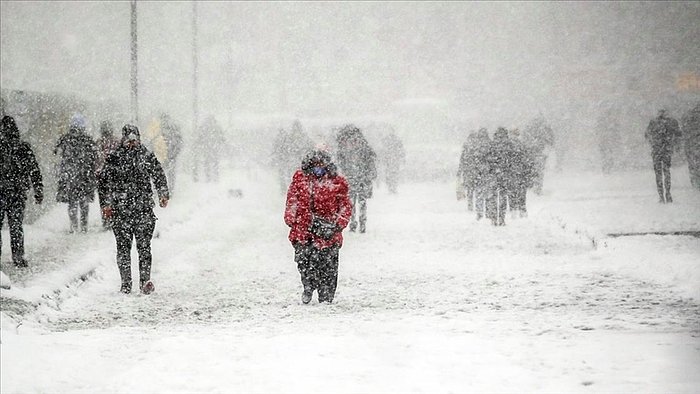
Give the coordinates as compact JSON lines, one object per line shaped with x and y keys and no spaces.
{"x":429,"y":300}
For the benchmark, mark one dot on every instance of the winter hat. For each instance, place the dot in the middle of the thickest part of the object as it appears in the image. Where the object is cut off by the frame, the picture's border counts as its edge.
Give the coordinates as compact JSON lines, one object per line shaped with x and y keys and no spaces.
{"x":77,"y":121}
{"x":9,"y":130}
{"x":318,"y":157}
{"x":130,"y":132}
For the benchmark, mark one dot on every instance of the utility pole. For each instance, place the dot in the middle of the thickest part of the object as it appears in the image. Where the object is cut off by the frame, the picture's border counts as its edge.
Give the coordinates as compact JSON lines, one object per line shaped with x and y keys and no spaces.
{"x":134,"y":66}
{"x":195,"y":98}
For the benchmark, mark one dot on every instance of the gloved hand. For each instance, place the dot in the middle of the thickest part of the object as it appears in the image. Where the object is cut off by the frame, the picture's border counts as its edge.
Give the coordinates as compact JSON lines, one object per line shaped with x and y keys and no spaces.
{"x":163,"y":202}
{"x":107,"y":212}
{"x":38,"y":197}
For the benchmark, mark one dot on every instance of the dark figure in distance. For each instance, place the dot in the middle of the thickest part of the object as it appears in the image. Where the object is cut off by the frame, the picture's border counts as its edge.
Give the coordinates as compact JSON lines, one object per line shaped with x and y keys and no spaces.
{"x":500,"y":161}
{"x":466,"y":172}
{"x":76,"y":177}
{"x":522,"y":174}
{"x":18,"y":171}
{"x":663,"y":134}
{"x":289,"y":148}
{"x":482,"y":177}
{"x":208,"y":148}
{"x":691,"y":142}
{"x":126,"y":184}
{"x":317,"y":210}
{"x":393,"y":158}
{"x":537,"y":137}
{"x":357,"y":162}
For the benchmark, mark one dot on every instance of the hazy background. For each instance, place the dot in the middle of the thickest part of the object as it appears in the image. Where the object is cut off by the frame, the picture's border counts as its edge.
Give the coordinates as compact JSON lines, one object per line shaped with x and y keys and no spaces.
{"x":433,"y":70}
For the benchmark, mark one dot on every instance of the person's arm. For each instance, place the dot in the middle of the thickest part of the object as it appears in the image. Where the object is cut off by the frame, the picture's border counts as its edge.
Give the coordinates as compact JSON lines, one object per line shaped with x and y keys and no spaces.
{"x":292,"y":202}
{"x":345,"y":210}
{"x":35,"y":176}
{"x":157,"y":174}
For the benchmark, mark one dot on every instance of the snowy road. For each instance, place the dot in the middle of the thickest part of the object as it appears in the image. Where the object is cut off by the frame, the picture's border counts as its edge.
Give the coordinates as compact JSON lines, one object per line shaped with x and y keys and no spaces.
{"x":429,"y":300}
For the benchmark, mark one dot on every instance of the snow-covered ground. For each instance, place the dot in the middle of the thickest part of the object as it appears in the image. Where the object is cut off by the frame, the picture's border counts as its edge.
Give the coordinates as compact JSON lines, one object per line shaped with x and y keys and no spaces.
{"x":429,"y":299}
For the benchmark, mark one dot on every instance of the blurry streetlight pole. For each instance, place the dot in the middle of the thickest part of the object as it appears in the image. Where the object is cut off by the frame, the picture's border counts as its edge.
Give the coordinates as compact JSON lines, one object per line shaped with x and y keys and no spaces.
{"x":134,"y":66}
{"x":195,"y":98}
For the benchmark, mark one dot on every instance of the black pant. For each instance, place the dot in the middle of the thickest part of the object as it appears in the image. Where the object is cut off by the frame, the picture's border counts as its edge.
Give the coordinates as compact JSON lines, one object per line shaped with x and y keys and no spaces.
{"x":126,"y":229}
{"x":662,"y":169}
{"x":74,"y":205}
{"x":361,"y":200}
{"x":318,"y":269}
{"x":496,"y":205}
{"x":12,"y":205}
{"x":517,"y":198}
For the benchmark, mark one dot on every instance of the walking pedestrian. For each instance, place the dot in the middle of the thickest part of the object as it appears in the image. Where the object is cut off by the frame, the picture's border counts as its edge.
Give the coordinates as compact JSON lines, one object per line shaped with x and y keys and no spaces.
{"x":126,"y":184}
{"x":663,"y":134}
{"x":76,"y":176}
{"x":19,"y":171}
{"x":318,"y":208}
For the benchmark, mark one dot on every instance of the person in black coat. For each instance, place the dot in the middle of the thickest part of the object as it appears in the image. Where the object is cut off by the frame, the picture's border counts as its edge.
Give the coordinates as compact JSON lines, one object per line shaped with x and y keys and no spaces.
{"x":481,"y":175}
{"x":466,"y":172}
{"x":18,"y":171}
{"x":357,"y":162}
{"x":663,"y":134}
{"x":126,"y":185}
{"x":77,"y":174}
{"x":522,"y":174}
{"x":500,"y":161}
{"x":691,"y":142}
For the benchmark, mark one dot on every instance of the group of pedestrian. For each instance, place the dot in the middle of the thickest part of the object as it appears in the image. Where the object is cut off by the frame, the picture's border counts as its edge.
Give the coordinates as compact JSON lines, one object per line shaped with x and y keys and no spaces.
{"x":665,"y":135}
{"x":121,"y":170}
{"x":495,"y":174}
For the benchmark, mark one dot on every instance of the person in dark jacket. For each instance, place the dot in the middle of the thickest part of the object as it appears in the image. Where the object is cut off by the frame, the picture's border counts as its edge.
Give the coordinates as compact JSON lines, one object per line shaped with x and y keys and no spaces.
{"x":482,"y":172}
{"x":663,"y":134}
{"x":126,"y":184}
{"x":691,"y":143}
{"x":18,"y":171}
{"x":318,"y":208}
{"x":357,"y":163}
{"x":500,"y":160}
{"x":537,"y":137}
{"x":208,"y":148}
{"x":106,"y":144}
{"x":522,"y":175}
{"x":76,"y":177}
{"x":393,"y":157}
{"x":466,"y":171}
{"x":173,"y":141}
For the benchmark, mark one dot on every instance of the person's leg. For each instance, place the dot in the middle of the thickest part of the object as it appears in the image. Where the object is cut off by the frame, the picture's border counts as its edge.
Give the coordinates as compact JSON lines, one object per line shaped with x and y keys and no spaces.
{"x":328,"y":273}
{"x":470,"y":199}
{"x":353,"y":216}
{"x":363,"y":213}
{"x":302,"y":256}
{"x":123,"y":234}
{"x":15,"y":217}
{"x":666,"y":166}
{"x":84,"y":210}
{"x":491,"y":206}
{"x":502,"y":197}
{"x":73,"y":214}
{"x":658,"y":173}
{"x":143,"y":232}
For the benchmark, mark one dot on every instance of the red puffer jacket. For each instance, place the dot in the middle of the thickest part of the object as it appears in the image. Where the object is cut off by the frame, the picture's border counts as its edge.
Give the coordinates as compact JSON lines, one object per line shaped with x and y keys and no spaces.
{"x":330,"y":201}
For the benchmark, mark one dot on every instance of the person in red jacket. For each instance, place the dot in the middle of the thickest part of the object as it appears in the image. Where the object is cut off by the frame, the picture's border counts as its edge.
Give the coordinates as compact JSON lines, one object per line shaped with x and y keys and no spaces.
{"x":318,"y":209}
